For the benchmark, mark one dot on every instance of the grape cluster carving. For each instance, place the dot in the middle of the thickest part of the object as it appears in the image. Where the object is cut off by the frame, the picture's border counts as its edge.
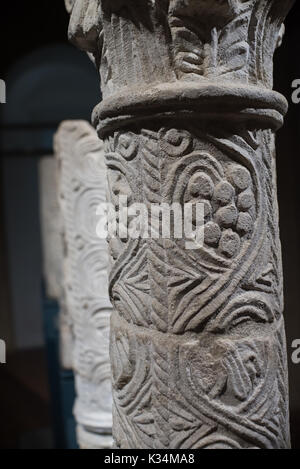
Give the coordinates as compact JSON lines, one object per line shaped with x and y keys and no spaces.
{"x":229,"y":208}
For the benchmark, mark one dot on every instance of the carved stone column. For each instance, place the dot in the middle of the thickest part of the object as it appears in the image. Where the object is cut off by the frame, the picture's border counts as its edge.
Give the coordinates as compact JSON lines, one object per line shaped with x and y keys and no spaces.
{"x":51,"y":223}
{"x":188,"y":114}
{"x":82,"y":187}
{"x":52,"y":243}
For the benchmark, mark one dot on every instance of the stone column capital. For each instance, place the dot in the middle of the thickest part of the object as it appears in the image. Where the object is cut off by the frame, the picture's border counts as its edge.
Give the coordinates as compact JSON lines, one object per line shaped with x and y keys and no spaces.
{"x":182,"y":58}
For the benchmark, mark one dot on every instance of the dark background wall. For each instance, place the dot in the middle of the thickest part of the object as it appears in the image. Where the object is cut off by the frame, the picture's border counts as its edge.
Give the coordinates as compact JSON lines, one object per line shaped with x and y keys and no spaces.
{"x":30,"y":26}
{"x":286,"y":70}
{"x":47,"y":81}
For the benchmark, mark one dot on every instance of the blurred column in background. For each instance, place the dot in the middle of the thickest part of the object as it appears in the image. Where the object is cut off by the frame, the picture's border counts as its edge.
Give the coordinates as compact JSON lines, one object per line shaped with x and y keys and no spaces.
{"x":51,"y":226}
{"x":82,"y":187}
{"x":52,"y":242}
{"x":51,"y":83}
{"x":57,"y":323}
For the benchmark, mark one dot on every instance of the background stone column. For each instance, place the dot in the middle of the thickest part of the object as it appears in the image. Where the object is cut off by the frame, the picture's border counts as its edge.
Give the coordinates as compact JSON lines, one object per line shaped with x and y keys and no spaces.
{"x":51,"y":223}
{"x":82,"y":187}
{"x":52,"y":243}
{"x":188,"y":115}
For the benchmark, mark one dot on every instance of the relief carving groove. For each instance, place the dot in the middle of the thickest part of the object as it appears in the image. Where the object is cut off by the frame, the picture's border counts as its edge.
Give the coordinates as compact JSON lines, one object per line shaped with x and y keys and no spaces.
{"x":188,"y":114}
{"x":82,"y":187}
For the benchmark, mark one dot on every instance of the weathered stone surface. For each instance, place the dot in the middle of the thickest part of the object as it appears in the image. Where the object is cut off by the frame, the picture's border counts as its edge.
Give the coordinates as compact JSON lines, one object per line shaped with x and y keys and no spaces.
{"x":82,"y":187}
{"x":197,"y":337}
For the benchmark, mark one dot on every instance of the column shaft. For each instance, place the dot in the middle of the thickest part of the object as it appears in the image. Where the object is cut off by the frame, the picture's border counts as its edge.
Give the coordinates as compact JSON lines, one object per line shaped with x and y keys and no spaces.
{"x":82,"y":188}
{"x":188,"y":115}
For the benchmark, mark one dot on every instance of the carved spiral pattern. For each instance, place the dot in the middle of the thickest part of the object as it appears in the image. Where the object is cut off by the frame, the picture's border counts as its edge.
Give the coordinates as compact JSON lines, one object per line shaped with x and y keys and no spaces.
{"x":82,"y":180}
{"x":219,"y":387}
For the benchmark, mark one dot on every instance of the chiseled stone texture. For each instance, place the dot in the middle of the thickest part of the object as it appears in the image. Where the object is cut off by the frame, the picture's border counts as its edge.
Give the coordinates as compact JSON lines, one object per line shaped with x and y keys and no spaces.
{"x":82,"y":187}
{"x":188,"y":114}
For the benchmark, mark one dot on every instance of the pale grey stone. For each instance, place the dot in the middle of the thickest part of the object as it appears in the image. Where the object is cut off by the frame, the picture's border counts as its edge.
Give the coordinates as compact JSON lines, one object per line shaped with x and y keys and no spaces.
{"x":197,"y":337}
{"x":52,"y":243}
{"x":51,"y":225}
{"x":82,"y":187}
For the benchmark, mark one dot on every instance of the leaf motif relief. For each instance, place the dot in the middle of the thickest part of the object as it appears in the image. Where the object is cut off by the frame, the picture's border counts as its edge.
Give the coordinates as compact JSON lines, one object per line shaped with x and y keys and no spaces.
{"x":233,"y":50}
{"x":209,"y":49}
